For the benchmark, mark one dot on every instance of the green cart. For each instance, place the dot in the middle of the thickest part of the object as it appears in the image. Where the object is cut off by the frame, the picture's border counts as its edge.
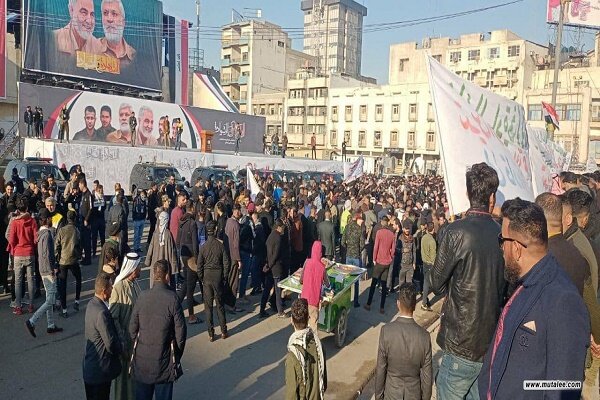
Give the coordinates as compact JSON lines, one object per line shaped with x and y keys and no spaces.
{"x":333,"y":316}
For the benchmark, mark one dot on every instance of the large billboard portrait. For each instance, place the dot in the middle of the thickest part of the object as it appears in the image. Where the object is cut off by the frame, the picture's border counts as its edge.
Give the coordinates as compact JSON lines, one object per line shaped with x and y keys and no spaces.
{"x":584,"y":13}
{"x":115,"y":41}
{"x":97,"y":117}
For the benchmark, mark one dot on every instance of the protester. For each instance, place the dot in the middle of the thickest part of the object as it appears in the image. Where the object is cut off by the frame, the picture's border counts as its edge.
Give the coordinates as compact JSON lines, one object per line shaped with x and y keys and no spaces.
{"x":305,"y":368}
{"x":125,"y":294}
{"x":48,"y":270}
{"x":98,"y":219}
{"x":163,"y":247}
{"x":275,"y":270}
{"x":353,"y":240}
{"x":428,"y":254}
{"x":383,"y":255}
{"x":68,"y":251}
{"x":187,"y":246}
{"x":530,"y":342}
{"x":158,"y":331}
{"x":469,"y":270}
{"x":326,"y":234}
{"x":313,"y":278}
{"x":103,"y":349}
{"x":213,"y":266}
{"x":23,"y":235}
{"x":139,"y":213}
{"x":404,"y":366}
{"x":231,"y":240}
{"x":85,"y":227}
{"x":112,"y":242}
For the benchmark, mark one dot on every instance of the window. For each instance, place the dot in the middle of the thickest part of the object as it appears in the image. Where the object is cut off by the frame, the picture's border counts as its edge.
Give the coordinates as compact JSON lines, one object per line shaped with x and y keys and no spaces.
{"x":334,"y":113}
{"x":403,"y":64}
{"x":455,"y":56}
{"x":377,"y":139}
{"x":471,"y":76}
{"x":244,"y":56}
{"x":410,"y":144}
{"x":280,"y":43}
{"x":596,"y":113}
{"x":474,"y":55}
{"x":412,"y":113}
{"x":296,"y":111}
{"x":296,"y":93}
{"x":514,"y":51}
{"x":430,"y":116}
{"x":318,"y":129}
{"x":493,"y":52}
{"x":363,"y":113}
{"x":394,"y":139}
{"x":317,"y":111}
{"x":595,"y":148}
{"x":379,"y":113}
{"x":534,"y":112}
{"x":568,"y":112}
{"x":317,"y":93}
{"x":262,"y":110}
{"x":279,"y":109}
{"x":348,"y":113}
{"x":438,"y":58}
{"x":430,"y":141}
{"x":333,"y":137}
{"x":362,"y":139}
{"x":395,"y":112}
{"x":573,"y":112}
{"x":271,"y":109}
{"x":296,"y":128}
{"x":347,"y":138}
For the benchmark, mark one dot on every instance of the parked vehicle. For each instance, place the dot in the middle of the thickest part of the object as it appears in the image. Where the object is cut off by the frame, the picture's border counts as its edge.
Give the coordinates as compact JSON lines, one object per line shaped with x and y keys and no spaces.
{"x":215,"y":173}
{"x":35,"y":167}
{"x":144,"y":174}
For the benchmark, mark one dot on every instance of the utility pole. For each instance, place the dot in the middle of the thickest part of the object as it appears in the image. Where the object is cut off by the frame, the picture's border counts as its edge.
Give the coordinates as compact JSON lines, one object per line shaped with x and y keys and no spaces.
{"x":197,"y":33}
{"x":557,"y":52}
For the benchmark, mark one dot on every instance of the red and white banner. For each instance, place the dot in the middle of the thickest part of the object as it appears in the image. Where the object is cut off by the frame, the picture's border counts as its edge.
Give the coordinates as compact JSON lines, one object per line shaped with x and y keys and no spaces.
{"x":182,"y":62}
{"x":3,"y":16}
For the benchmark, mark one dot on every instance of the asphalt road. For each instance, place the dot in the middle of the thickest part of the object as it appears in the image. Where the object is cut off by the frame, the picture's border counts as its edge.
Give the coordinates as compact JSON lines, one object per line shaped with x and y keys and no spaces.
{"x":248,"y":365}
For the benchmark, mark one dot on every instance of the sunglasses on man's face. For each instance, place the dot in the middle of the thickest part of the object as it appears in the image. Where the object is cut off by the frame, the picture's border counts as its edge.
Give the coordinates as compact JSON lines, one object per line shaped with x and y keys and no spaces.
{"x":502,"y":239}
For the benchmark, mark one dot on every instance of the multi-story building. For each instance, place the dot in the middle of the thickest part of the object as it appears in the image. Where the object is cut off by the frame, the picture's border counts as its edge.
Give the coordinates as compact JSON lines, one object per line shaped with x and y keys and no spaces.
{"x":392,"y":123}
{"x":256,"y":57}
{"x":272,"y":107}
{"x":500,"y":60}
{"x":577,"y":103}
{"x":307,"y":110}
{"x":333,"y":34}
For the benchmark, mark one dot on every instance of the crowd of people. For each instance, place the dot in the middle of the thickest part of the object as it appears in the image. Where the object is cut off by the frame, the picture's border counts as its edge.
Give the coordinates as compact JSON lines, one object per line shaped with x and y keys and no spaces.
{"x":519,"y":284}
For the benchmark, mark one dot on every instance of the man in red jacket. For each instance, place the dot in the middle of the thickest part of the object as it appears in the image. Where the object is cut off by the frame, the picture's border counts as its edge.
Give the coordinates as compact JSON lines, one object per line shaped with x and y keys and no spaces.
{"x":383,"y":255}
{"x":22,"y":240}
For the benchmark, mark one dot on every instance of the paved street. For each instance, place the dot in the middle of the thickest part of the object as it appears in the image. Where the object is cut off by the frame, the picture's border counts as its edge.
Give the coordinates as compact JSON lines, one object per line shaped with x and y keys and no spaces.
{"x":248,"y":365}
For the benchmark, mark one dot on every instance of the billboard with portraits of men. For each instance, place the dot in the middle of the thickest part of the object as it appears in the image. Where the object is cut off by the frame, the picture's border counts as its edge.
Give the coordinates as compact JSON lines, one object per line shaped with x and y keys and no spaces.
{"x":116,"y":41}
{"x":98,"y":117}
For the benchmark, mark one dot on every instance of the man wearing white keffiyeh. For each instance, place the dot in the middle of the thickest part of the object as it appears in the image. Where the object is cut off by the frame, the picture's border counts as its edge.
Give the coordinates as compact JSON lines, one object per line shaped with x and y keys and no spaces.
{"x":126,"y":291}
{"x":305,"y":369}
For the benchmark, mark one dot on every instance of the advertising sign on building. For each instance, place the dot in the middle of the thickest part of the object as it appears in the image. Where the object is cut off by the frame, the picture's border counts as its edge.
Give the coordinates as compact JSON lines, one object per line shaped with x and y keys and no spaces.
{"x":97,"y":117}
{"x":112,"y":40}
{"x":577,"y":13}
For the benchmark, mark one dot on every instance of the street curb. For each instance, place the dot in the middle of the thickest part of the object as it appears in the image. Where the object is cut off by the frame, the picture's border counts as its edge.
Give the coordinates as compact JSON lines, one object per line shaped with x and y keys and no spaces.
{"x":430,"y":325}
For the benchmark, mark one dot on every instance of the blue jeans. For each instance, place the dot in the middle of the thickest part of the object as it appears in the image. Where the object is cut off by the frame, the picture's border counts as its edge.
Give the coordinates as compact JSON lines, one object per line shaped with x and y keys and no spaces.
{"x":161,"y":391}
{"x":457,"y":378}
{"x":23,"y":266}
{"x":46,"y":308}
{"x":138,"y":231}
{"x":247,"y":268}
{"x":357,"y":263}
{"x":426,"y":282}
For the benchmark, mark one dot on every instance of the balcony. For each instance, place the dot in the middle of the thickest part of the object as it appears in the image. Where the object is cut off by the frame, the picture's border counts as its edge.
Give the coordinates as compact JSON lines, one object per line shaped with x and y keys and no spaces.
{"x":239,"y":61}
{"x":243,"y":80}
{"x":225,"y":62}
{"x":430,"y":146}
{"x":233,"y":42}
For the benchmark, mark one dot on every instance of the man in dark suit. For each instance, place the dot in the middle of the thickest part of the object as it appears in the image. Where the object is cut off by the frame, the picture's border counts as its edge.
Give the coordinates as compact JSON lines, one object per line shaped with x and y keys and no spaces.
{"x":326,"y":232}
{"x":544,"y":328}
{"x":159,"y":324}
{"x":274,"y":270}
{"x":101,"y":363}
{"x":404,"y":368}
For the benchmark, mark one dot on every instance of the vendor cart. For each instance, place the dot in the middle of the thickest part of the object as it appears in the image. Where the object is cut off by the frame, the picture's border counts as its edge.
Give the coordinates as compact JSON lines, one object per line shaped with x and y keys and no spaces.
{"x":337,"y":302}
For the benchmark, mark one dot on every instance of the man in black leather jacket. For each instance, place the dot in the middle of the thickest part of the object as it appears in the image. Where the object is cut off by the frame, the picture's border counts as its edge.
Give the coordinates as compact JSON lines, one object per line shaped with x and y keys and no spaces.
{"x":469,"y":271}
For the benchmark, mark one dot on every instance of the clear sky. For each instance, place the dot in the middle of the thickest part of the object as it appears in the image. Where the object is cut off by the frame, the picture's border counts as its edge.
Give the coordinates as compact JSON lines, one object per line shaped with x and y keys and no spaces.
{"x":526,"y":19}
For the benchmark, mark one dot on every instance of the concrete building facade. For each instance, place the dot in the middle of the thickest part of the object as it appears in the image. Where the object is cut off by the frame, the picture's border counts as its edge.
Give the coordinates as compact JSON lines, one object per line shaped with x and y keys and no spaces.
{"x":256,"y":57}
{"x":333,"y":34}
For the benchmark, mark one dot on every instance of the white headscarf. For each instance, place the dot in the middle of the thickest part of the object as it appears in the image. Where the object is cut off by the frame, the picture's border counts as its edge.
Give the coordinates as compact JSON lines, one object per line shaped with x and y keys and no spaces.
{"x":163,"y":224}
{"x":131,"y":262}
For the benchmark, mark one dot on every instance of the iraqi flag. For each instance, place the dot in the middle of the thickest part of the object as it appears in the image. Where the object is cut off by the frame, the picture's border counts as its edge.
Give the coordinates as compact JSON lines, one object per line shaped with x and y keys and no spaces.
{"x":550,"y":115}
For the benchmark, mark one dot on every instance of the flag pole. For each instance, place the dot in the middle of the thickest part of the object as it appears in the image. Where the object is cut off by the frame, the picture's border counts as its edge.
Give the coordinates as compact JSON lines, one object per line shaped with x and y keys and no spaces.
{"x":557,"y":51}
